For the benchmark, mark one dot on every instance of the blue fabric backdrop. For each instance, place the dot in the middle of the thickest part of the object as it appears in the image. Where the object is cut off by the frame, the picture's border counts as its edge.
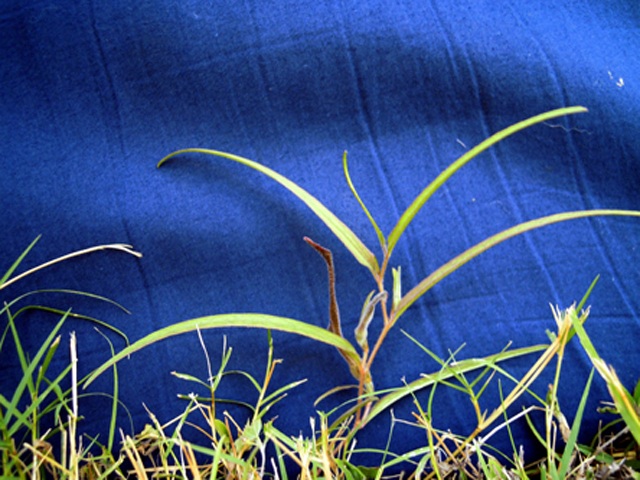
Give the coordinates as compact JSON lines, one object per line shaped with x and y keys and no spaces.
{"x":94,"y":94}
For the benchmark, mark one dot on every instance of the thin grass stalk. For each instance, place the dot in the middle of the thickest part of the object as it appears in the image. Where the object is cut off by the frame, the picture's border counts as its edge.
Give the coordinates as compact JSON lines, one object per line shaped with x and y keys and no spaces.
{"x":114,"y":246}
{"x":271,"y":365}
{"x":553,"y":405}
{"x":64,"y":442}
{"x":114,"y":404}
{"x":210,"y":381}
{"x":381,"y":239}
{"x":325,"y":459}
{"x":73,"y":418}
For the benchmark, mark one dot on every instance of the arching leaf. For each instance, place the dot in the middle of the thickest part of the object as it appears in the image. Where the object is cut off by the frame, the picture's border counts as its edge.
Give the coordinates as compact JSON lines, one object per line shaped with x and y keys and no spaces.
{"x":420,"y":200}
{"x":344,"y":233}
{"x":247,"y":320}
{"x":452,"y":265}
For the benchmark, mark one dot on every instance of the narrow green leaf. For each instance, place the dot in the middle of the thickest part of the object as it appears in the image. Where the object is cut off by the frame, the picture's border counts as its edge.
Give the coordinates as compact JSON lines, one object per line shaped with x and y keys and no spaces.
{"x":271,"y":399}
{"x":344,"y":233}
{"x":417,"y":204}
{"x":44,"y":367}
{"x":586,"y":295}
{"x":383,"y":243}
{"x":189,"y":378}
{"x":29,"y":366}
{"x":582,"y":335}
{"x":636,"y":393}
{"x":623,"y":400}
{"x":575,"y":429}
{"x":621,"y":397}
{"x":452,"y":265}
{"x":17,"y":262}
{"x":461,"y":367}
{"x":25,"y":419}
{"x":114,"y":396}
{"x":247,"y":320}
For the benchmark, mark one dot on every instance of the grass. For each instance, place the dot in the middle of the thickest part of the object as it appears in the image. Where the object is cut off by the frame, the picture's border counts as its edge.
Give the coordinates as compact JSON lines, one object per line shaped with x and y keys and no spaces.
{"x":232,"y":450}
{"x":229,"y":448}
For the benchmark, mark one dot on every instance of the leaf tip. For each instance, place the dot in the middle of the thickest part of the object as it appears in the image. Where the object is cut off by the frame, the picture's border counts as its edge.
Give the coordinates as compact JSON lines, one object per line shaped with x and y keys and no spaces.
{"x":171,"y":155}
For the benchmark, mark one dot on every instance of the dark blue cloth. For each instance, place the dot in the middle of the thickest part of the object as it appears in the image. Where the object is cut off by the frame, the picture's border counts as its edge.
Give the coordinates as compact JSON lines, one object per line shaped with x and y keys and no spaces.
{"x":94,"y":94}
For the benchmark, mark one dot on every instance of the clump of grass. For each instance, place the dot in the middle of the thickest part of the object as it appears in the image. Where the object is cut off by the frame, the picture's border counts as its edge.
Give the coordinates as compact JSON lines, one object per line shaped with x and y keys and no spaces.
{"x":233,"y":449}
{"x":242,"y":451}
{"x":255,"y":448}
{"x":26,"y":451}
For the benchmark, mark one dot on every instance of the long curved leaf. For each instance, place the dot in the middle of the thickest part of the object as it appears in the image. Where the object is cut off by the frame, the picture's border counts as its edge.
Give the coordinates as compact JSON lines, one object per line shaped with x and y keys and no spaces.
{"x":426,"y":380}
{"x":460,"y":368}
{"x":420,"y":200}
{"x":247,"y":320}
{"x":452,"y":265}
{"x":344,"y":233}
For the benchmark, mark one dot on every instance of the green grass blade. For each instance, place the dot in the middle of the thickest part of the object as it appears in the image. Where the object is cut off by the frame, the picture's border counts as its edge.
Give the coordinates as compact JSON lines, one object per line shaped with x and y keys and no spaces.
{"x":575,"y":429}
{"x":71,"y":315}
{"x":582,"y":303}
{"x":247,"y":320}
{"x":270,"y":399}
{"x":24,"y":419}
{"x":114,"y":403}
{"x":81,"y":294}
{"x":623,"y":400}
{"x":344,"y":233}
{"x":417,"y":204}
{"x":44,"y":368}
{"x":383,"y":243}
{"x":452,"y":265}
{"x":17,"y":262}
{"x":461,"y":367}
{"x":29,"y":366}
